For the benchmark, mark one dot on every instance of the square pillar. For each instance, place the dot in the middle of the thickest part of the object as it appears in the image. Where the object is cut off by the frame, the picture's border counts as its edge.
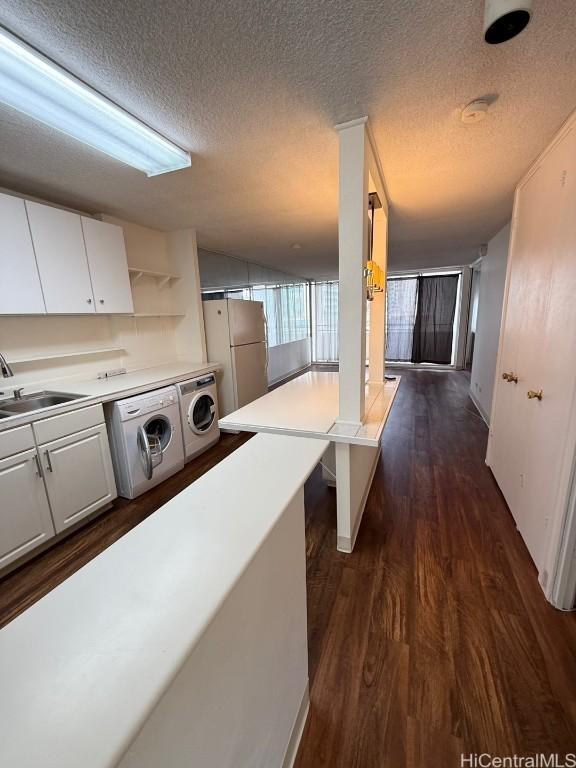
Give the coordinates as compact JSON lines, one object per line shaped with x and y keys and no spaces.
{"x":352,"y":254}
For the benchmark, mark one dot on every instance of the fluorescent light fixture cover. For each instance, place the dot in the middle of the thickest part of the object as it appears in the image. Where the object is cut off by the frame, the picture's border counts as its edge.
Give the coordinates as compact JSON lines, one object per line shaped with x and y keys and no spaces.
{"x":34,"y":85}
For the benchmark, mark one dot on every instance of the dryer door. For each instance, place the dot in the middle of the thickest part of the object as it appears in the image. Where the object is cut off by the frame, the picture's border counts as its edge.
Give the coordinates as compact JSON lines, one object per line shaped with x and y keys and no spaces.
{"x":201,"y":413}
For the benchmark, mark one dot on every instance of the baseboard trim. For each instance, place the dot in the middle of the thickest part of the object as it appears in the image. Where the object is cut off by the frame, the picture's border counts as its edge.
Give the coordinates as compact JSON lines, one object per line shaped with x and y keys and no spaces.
{"x":297,"y":730}
{"x":478,"y":407}
{"x":343,"y":543}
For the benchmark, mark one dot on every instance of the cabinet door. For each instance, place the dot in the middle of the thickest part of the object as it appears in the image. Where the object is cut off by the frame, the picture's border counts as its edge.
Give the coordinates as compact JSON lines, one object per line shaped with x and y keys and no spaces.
{"x":79,"y":475}
{"x":61,"y":257}
{"x":25,"y":520}
{"x":20,"y":292}
{"x":108,"y":266}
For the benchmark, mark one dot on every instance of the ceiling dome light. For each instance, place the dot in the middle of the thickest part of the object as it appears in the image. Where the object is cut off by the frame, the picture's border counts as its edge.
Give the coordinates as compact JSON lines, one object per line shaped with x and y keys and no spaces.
{"x":504,"y":19}
{"x":474,"y":112}
{"x":296,"y":247}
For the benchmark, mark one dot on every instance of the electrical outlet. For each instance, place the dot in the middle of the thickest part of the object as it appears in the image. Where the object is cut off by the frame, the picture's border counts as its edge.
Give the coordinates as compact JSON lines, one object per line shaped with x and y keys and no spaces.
{"x":112,"y":372}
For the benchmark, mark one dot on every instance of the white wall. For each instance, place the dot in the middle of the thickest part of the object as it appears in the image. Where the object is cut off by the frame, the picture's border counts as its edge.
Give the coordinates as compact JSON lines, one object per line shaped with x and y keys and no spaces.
{"x":492,"y":280}
{"x":285,"y":359}
{"x":143,"y":341}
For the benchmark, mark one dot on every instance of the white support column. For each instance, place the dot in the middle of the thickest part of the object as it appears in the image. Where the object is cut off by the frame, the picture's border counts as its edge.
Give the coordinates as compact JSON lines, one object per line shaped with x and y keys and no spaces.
{"x":377,"y":353}
{"x":352,"y":248}
{"x":360,"y":171}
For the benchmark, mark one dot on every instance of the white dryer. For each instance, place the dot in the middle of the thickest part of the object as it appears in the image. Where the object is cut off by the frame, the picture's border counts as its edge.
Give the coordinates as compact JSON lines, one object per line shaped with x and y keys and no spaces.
{"x":145,"y":439}
{"x":199,"y":411}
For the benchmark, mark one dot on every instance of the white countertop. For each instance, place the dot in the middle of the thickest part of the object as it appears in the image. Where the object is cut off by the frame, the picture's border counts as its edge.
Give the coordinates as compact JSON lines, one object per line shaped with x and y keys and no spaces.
{"x":82,"y":669}
{"x":106,"y":390}
{"x":307,"y":406}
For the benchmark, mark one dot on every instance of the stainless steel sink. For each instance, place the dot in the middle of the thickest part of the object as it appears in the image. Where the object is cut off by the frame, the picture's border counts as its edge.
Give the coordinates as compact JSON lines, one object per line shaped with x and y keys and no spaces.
{"x":34,"y":402}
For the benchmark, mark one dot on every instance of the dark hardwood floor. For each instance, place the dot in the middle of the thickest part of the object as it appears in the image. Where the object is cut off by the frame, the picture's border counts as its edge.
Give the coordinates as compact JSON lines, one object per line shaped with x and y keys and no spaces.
{"x":433,"y":638}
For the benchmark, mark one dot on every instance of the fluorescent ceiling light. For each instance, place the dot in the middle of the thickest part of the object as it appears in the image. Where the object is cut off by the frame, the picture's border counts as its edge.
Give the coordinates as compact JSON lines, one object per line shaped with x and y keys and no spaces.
{"x":34,"y":85}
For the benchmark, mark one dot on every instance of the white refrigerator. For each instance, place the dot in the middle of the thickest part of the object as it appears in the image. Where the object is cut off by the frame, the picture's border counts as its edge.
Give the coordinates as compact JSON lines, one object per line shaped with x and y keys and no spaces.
{"x":236,"y":338}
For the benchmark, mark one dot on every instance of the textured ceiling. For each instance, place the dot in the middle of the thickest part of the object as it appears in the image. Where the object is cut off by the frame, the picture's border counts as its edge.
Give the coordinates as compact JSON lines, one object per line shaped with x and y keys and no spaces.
{"x":253,"y":89}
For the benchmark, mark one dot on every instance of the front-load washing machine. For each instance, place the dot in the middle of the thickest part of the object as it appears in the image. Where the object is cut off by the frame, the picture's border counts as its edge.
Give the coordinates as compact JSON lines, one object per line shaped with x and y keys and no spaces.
{"x":199,"y":411}
{"x":145,"y":435}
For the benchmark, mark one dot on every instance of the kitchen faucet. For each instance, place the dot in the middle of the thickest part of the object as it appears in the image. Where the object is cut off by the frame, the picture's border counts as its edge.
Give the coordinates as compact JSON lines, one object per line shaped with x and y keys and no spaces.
{"x":5,"y":367}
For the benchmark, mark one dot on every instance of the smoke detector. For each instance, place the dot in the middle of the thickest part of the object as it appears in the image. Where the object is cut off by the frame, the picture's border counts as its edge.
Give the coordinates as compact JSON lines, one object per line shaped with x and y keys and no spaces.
{"x":475,"y":111}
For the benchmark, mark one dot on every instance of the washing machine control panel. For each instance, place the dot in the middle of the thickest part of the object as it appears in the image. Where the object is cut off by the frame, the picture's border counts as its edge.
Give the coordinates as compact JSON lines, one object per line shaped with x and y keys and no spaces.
{"x":143,"y":404}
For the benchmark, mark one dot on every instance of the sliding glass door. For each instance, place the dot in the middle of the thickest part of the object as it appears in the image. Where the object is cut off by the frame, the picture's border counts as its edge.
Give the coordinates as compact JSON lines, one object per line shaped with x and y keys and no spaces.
{"x":421,"y":312}
{"x":401,"y":303}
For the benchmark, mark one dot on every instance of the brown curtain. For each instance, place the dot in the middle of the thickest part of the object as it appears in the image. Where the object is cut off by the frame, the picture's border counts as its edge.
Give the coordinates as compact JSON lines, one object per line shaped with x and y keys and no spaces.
{"x":433,"y":328}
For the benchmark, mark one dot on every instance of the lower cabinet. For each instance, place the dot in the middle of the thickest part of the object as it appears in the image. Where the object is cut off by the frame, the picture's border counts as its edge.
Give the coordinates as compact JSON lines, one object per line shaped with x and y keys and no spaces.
{"x":79,"y":475}
{"x":52,"y":475}
{"x":25,"y":520}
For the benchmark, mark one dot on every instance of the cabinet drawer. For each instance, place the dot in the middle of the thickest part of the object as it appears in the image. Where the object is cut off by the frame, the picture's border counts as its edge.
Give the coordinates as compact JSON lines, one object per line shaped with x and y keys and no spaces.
{"x":55,"y":427}
{"x":16,"y":440}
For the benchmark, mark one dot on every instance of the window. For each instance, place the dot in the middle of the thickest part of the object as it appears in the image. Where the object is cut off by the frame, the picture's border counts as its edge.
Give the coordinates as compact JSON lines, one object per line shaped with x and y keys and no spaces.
{"x":325,"y":314}
{"x":286,"y":310}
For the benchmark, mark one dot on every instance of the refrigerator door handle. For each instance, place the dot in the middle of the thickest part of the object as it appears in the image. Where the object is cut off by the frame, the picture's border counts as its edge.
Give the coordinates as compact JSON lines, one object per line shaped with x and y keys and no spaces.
{"x":266,"y":339}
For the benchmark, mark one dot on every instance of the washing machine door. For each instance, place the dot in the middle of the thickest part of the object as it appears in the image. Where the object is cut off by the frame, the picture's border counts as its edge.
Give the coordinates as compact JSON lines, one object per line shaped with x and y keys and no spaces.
{"x":201,"y":413}
{"x":153,"y":438}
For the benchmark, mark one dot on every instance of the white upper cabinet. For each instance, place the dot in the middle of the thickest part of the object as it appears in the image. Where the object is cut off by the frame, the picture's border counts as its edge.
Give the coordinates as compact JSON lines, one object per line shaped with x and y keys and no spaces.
{"x":20,"y":291}
{"x":61,"y":258}
{"x":108,"y":266}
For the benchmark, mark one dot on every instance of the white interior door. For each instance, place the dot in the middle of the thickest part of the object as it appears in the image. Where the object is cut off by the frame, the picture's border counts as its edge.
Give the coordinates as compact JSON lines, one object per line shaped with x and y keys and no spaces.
{"x":548,"y":350}
{"x":507,"y":446}
{"x":106,"y":254}
{"x":20,"y":291}
{"x":246,"y":322}
{"x":61,"y":258}
{"x":25,"y":520}
{"x":249,"y":368}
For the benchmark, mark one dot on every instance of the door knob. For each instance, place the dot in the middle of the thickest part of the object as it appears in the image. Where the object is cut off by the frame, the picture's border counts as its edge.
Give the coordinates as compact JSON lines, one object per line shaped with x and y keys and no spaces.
{"x":510,"y":377}
{"x":532,"y":394}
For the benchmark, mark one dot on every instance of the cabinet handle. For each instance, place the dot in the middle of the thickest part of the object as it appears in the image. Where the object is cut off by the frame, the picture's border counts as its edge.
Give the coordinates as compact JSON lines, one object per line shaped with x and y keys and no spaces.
{"x":89,"y":301}
{"x":48,"y":461}
{"x":533,"y":394}
{"x":38,"y":465}
{"x":510,"y":377}
{"x":101,"y":301}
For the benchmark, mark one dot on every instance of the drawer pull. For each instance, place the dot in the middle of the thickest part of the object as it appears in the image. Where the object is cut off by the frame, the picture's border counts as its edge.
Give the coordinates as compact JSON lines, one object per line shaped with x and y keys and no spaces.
{"x":533,"y":394}
{"x":510,"y":377}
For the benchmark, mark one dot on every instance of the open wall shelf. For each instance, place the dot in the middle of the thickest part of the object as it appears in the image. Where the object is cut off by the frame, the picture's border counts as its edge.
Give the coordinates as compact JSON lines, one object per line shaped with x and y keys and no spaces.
{"x":162,"y":278}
